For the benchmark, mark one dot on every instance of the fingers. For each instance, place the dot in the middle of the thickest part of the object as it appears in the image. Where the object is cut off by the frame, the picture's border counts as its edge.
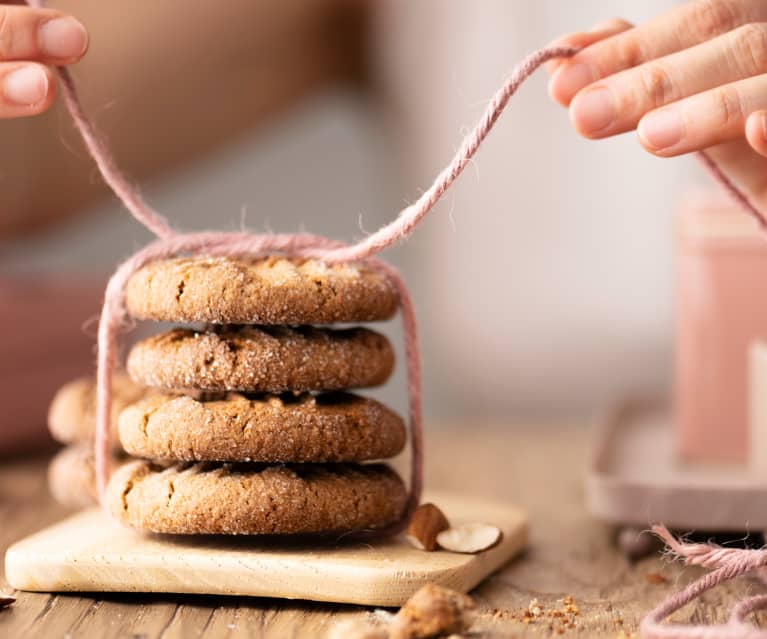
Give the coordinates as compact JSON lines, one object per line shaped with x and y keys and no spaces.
{"x":598,"y":32}
{"x":29,"y":37}
{"x":25,"y":89}
{"x":43,"y":35}
{"x":685,"y":26}
{"x":616,"y":104}
{"x":756,"y":131}
{"x":705,"y":119}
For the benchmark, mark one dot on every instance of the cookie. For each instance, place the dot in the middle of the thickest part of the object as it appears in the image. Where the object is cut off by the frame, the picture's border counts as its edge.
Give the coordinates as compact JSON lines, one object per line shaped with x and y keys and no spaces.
{"x":273,"y":359}
{"x":274,"y":290}
{"x":336,"y":427}
{"x":71,"y":476}
{"x":72,"y":413}
{"x":205,"y":498}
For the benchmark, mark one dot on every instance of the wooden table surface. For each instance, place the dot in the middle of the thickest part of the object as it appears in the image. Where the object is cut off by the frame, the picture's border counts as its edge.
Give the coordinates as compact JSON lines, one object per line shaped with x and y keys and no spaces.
{"x":539,"y":467}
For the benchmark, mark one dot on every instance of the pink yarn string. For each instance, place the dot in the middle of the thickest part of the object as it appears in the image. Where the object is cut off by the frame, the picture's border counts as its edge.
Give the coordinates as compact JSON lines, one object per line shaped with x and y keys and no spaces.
{"x":109,"y":170}
{"x":114,"y":315}
{"x":126,"y":192}
{"x":404,"y":224}
{"x":727,"y":563}
{"x":737,"y":195}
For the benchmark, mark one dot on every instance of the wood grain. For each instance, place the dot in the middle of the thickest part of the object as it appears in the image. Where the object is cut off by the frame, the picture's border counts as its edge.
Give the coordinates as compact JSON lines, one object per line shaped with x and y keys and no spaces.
{"x":538,"y":466}
{"x":89,"y":551}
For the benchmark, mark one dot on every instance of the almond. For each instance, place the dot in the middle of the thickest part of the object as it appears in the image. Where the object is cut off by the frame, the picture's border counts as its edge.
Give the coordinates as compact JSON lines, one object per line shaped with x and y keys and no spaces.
{"x":6,"y":600}
{"x":469,"y":538}
{"x":427,"y":522}
{"x":433,"y":611}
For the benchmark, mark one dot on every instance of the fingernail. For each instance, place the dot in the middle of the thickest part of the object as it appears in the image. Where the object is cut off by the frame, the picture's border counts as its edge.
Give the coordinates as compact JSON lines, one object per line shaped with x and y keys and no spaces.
{"x":593,"y":110}
{"x":63,"y":38}
{"x":763,"y":122}
{"x":570,"y":79}
{"x":26,"y":86}
{"x":662,"y":129}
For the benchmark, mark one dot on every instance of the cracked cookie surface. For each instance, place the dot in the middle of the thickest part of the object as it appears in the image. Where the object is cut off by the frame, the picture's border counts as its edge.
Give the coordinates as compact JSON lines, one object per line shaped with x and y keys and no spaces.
{"x":207,"y":498}
{"x":333,"y":427}
{"x":273,"y":290}
{"x":262,"y":359}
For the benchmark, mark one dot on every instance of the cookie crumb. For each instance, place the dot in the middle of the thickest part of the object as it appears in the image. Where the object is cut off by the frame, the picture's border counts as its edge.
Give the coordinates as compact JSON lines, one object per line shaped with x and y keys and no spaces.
{"x":556,"y":619}
{"x":534,"y":608}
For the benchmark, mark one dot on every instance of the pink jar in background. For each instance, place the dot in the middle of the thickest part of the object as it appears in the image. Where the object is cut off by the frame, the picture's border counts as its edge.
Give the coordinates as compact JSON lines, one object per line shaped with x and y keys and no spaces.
{"x":721,"y":308}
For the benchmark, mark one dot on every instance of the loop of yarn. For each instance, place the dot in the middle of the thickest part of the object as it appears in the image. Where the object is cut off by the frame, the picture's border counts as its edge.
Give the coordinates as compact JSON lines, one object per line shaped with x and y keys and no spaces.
{"x":171,"y":243}
{"x":727,"y":564}
{"x":114,"y":316}
{"x":227,"y":244}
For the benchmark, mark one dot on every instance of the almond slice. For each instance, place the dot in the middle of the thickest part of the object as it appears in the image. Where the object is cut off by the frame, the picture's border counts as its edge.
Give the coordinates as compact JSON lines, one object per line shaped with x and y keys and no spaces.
{"x":427,"y":522}
{"x":469,"y":538}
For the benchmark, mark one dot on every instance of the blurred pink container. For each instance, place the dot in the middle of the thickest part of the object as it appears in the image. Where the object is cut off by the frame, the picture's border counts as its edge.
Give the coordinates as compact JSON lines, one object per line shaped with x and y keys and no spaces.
{"x":721,"y":307}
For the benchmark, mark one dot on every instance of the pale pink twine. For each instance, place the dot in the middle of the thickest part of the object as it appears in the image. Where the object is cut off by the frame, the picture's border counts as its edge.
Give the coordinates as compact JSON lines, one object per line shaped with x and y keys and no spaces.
{"x":211,"y":243}
{"x":170,"y":243}
{"x":726,"y":563}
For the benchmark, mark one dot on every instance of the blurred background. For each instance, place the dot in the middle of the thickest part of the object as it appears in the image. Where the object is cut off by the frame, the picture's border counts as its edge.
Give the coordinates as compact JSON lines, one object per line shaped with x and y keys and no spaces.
{"x":542,"y":280}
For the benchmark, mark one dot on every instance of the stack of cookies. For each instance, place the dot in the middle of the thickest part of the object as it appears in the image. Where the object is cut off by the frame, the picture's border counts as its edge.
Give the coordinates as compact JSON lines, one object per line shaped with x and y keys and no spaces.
{"x":72,"y":422}
{"x":250,"y":428}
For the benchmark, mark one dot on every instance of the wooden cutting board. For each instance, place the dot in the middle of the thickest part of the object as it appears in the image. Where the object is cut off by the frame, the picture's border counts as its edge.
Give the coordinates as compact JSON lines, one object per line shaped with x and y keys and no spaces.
{"x":90,"y":552}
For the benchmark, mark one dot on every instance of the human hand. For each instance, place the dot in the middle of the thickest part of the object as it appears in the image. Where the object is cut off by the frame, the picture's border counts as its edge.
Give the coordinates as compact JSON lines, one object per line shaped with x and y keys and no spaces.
{"x":692,"y":79}
{"x":30,"y":39}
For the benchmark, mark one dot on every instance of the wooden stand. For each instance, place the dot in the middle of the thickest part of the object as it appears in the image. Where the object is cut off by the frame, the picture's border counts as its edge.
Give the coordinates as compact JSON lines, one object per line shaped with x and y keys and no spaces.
{"x":88,"y":552}
{"x":636,"y":478}
{"x":706,"y":470}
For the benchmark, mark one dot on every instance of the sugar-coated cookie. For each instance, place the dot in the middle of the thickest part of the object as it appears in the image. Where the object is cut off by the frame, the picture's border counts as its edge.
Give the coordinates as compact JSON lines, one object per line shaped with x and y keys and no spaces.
{"x":274,"y":359}
{"x":207,"y":498}
{"x":274,"y":290}
{"x":333,"y":427}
